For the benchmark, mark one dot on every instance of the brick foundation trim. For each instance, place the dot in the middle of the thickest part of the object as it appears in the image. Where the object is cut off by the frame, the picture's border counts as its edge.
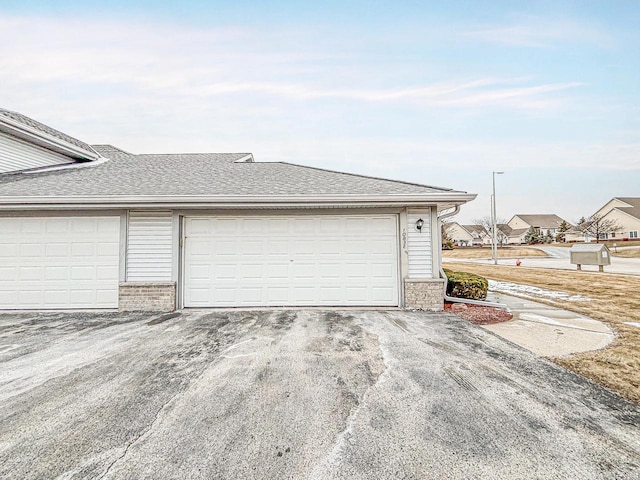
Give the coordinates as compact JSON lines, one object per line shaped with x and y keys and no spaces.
{"x":147,"y":296}
{"x":424,"y":293}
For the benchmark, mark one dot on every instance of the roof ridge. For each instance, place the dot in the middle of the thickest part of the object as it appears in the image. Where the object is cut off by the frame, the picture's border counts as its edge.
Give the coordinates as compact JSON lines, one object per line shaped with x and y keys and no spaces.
{"x":191,"y":153}
{"x":111,"y":146}
{"x":367,"y":176}
{"x":44,"y":129}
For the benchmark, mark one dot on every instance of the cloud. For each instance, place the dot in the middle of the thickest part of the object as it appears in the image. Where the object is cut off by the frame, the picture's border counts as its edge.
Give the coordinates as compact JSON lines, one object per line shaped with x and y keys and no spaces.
{"x":184,"y":65}
{"x":540,"y":32}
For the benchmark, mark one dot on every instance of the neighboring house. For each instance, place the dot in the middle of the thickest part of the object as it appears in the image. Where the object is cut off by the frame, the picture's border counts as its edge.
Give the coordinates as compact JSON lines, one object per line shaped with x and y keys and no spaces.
{"x":503,"y":233}
{"x":467,"y":235}
{"x":96,"y":227}
{"x":545,"y":224}
{"x":625,"y":211}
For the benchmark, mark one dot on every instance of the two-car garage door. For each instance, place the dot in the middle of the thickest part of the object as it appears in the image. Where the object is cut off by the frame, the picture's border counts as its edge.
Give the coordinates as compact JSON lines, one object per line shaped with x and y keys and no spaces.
{"x":298,"y":260}
{"x":59,"y":262}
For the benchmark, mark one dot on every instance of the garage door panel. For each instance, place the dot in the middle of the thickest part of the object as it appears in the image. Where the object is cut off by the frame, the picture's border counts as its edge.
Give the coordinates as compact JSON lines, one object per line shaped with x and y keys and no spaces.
{"x":32,"y":225}
{"x":56,"y":225}
{"x":34,"y":250}
{"x":251,"y":272}
{"x":59,"y":262}
{"x":224,"y":272}
{"x":250,"y":247}
{"x":56,"y":250}
{"x":7,"y":274}
{"x":56,"y":298}
{"x":8,"y":250}
{"x":383,"y":293}
{"x":108,"y":249}
{"x":304,"y":260}
{"x":303,"y":247}
{"x":107,"y":272}
{"x":57,"y":273}
{"x":30,"y":273}
{"x":303,"y":271}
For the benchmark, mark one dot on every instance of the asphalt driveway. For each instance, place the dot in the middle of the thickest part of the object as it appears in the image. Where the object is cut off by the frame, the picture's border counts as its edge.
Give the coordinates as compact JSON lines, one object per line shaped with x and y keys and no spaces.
{"x":296,"y":394}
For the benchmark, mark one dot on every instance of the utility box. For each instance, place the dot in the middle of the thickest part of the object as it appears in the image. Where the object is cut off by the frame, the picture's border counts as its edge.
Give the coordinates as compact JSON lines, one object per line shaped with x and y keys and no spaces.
{"x":590,"y":254}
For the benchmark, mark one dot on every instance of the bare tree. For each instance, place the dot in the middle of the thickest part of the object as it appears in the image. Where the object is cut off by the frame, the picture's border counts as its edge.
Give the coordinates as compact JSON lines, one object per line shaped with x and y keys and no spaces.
{"x":447,"y":242}
{"x":486,"y":223}
{"x":597,"y":226}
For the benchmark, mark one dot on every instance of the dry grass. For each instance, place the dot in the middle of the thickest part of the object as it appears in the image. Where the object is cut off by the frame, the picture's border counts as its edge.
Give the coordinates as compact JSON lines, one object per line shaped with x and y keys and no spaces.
{"x":630,"y":253}
{"x":503,"y":252}
{"x":615,"y":300}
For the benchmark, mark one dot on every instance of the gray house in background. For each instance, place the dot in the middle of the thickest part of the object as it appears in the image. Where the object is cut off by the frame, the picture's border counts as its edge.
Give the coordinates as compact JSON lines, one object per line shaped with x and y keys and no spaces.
{"x":86,"y":226}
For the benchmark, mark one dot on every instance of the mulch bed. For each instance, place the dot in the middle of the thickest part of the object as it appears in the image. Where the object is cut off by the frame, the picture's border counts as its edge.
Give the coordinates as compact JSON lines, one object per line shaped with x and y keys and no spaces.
{"x":477,"y":314}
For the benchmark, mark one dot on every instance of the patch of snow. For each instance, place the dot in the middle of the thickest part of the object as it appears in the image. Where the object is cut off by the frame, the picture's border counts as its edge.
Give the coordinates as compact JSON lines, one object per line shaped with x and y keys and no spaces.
{"x":633,"y":324}
{"x":529,"y":291}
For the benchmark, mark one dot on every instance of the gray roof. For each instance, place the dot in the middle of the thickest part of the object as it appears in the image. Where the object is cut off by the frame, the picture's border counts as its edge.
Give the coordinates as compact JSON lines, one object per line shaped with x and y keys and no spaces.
{"x":479,"y":229}
{"x":41,"y":127}
{"x":210,"y":174}
{"x":541,"y":220}
{"x":634,"y":206}
{"x":517,"y":232}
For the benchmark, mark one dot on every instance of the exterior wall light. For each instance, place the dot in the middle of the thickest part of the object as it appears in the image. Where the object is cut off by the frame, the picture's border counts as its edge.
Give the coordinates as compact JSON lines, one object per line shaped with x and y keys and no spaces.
{"x":419,"y":224}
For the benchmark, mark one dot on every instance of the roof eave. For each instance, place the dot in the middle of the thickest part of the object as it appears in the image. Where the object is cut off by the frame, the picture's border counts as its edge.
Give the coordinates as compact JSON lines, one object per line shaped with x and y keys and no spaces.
{"x":45,"y":140}
{"x":441,"y":200}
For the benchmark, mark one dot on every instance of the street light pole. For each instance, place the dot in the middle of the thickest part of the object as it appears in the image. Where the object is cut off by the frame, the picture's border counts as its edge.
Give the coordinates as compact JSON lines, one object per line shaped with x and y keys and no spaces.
{"x":494,"y":236}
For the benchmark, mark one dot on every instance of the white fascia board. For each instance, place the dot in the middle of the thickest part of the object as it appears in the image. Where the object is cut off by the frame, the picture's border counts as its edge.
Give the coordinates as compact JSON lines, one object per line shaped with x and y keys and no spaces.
{"x":440,"y":200}
{"x":45,"y":140}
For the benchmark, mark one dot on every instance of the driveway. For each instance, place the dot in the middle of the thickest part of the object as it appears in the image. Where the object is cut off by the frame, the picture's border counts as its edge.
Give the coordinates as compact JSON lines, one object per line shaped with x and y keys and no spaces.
{"x":296,"y":394}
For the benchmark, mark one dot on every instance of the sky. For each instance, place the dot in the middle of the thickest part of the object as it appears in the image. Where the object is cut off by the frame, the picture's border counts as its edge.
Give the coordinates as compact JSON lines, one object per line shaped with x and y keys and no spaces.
{"x":438,"y":93}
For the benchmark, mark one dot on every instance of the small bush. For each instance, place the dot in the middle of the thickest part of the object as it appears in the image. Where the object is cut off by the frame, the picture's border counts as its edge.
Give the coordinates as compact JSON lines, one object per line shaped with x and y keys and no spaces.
{"x":466,"y":285}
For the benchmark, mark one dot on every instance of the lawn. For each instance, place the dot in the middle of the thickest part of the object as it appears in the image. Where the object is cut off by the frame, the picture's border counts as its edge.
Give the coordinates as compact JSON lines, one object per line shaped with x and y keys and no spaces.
{"x":627,"y":253}
{"x":503,"y":252}
{"x":615,"y":300}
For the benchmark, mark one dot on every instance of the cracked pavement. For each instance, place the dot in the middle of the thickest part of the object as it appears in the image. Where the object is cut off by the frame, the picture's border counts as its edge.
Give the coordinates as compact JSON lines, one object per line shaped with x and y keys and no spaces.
{"x":317,"y":394}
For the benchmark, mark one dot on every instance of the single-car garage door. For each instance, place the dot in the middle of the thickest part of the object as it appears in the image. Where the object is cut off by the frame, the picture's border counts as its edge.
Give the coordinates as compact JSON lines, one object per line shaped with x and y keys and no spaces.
{"x":59,"y":262}
{"x":291,"y":260}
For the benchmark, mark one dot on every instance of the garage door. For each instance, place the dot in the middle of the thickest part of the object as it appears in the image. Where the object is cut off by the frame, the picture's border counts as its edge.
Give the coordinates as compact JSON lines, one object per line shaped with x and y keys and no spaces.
{"x":59,"y":262}
{"x":291,"y":261}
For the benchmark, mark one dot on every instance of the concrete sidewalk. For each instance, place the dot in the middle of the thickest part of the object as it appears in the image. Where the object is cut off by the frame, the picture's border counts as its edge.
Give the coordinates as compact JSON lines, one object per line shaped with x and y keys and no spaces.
{"x":549,"y":331}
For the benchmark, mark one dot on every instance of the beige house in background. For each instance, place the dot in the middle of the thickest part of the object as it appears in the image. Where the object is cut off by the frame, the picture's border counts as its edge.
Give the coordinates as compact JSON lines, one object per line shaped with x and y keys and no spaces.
{"x":626,"y":212}
{"x":545,"y":224}
{"x":467,"y":235}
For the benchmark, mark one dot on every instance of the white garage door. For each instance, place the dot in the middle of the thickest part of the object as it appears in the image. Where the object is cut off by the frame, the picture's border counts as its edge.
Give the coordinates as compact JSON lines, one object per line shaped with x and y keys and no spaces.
{"x":291,"y":261}
{"x":59,"y":262}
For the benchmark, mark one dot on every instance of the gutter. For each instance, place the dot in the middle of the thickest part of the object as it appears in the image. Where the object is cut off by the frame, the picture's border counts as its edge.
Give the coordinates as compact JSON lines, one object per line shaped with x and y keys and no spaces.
{"x":229,"y":201}
{"x":469,"y":301}
{"x":48,"y":141}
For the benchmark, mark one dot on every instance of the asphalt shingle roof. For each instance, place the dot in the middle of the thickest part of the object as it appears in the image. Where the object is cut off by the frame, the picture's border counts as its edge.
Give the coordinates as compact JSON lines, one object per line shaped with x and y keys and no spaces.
{"x":634,"y":209}
{"x":542,"y":220}
{"x":41,"y":127}
{"x":197,"y":174}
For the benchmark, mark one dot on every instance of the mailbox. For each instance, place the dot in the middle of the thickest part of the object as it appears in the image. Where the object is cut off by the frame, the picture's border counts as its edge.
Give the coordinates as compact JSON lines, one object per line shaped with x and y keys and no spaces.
{"x":590,"y":254}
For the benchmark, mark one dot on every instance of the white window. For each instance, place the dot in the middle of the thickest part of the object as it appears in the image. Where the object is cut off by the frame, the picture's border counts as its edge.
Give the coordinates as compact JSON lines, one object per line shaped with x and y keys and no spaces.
{"x":633,"y":234}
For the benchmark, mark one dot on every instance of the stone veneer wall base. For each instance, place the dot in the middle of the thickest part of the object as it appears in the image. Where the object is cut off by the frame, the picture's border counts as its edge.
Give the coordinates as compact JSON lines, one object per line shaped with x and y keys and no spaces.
{"x":424,"y":294}
{"x":147,"y":296}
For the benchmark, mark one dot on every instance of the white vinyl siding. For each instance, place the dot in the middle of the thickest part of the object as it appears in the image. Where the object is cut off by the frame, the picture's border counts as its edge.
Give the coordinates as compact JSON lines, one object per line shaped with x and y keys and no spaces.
{"x":149,"y":247}
{"x":419,"y":244}
{"x":304,"y":260}
{"x":59,"y":262}
{"x":16,"y":154}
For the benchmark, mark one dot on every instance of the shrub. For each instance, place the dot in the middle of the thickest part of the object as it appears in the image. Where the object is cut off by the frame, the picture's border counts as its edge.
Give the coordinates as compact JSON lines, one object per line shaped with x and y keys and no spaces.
{"x":466,"y":285}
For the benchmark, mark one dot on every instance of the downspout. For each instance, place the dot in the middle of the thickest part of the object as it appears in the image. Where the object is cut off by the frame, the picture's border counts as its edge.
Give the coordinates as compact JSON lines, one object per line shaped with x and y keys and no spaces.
{"x":444,"y":276}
